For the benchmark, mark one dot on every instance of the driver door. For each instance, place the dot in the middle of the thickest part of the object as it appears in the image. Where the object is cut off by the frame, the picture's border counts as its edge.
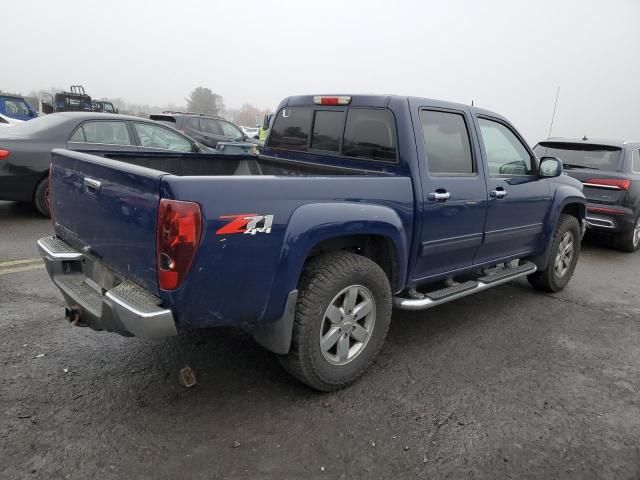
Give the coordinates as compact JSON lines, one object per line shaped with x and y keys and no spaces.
{"x":519,"y":199}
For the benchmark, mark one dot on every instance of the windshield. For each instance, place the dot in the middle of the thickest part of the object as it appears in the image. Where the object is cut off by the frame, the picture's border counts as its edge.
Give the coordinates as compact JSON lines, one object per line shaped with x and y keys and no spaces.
{"x":579,"y":155}
{"x":36,"y":125}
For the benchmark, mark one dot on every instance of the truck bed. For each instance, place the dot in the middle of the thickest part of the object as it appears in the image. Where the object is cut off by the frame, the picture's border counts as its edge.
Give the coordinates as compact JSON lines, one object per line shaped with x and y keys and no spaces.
{"x":182,"y":165}
{"x":108,"y":210}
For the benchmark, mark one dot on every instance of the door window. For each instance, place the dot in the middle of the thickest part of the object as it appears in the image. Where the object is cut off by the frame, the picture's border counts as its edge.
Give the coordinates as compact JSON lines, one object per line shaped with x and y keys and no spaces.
{"x":230,"y":131}
{"x":636,"y":161}
{"x":109,"y":133}
{"x":446,"y":141}
{"x":194,"y":124}
{"x":211,"y":126}
{"x":506,"y":154}
{"x":154,"y":136}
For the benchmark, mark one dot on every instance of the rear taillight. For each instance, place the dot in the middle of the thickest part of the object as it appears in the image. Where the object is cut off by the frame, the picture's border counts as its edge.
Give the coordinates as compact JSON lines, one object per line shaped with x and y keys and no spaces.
{"x":179,"y":227}
{"x":4,"y":154}
{"x":608,"y":183}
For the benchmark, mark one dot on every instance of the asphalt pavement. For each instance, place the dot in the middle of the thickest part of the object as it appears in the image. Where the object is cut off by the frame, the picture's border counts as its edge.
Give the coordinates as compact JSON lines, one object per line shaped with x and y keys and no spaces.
{"x":509,"y":383}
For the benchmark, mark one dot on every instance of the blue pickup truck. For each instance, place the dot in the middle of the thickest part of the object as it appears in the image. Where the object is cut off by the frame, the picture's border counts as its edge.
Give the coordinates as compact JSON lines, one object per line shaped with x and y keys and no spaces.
{"x":357,"y":204}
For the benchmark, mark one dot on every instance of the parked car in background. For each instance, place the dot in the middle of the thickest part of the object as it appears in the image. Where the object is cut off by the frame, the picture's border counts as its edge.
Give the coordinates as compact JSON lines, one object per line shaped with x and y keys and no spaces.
{"x":76,"y":100}
{"x":103,"y":106}
{"x":8,"y":121}
{"x":25,"y":150}
{"x":358,"y":203}
{"x":206,"y":129}
{"x":251,"y":132}
{"x":15,"y":106}
{"x":610,"y":173}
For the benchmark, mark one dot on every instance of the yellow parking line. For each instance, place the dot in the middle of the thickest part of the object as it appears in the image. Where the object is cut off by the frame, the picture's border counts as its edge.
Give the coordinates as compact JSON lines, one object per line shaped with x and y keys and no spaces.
{"x":9,"y":263}
{"x":26,"y":268}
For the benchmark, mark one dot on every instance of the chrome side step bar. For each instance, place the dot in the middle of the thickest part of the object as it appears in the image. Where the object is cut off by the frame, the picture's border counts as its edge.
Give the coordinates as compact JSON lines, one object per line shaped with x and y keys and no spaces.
{"x":493,"y":279}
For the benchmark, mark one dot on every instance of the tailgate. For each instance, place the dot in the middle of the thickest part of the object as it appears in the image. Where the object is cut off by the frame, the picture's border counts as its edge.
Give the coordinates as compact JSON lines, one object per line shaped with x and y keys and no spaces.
{"x":109,"y":210}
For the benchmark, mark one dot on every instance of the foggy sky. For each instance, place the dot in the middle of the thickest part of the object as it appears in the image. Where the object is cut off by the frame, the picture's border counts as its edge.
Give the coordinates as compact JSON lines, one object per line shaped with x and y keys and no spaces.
{"x":508,"y":56}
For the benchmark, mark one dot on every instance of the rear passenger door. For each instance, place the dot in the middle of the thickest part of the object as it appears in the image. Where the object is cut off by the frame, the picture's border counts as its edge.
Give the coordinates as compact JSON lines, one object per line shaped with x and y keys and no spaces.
{"x":454,"y":189}
{"x":519,"y":199}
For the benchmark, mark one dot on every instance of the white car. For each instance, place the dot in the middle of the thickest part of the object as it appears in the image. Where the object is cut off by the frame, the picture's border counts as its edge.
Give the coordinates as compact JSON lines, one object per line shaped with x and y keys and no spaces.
{"x":7,"y":121}
{"x":251,"y":132}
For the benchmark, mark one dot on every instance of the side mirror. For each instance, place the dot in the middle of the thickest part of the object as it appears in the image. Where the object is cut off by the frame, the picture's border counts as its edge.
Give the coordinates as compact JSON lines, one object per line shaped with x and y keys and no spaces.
{"x":196,"y":148}
{"x":550,"y":167}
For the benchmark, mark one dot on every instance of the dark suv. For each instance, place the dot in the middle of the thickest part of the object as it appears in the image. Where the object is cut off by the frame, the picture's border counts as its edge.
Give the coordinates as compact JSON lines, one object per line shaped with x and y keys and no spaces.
{"x":610,"y":173}
{"x":206,"y":129}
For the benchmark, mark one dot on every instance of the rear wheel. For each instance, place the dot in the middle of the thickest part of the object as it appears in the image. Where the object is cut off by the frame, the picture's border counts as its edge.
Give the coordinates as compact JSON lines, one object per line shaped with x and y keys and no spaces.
{"x":628,"y":241}
{"x":342,"y":318}
{"x":41,"y":197}
{"x":563,"y":258}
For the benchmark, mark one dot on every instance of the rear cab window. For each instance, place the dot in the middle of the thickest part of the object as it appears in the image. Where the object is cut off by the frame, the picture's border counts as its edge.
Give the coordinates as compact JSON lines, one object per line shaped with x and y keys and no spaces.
{"x":364,"y":133}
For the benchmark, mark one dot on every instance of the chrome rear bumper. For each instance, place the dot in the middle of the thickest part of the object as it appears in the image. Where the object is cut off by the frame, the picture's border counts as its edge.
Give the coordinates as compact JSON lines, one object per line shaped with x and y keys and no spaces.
{"x":126,"y":308}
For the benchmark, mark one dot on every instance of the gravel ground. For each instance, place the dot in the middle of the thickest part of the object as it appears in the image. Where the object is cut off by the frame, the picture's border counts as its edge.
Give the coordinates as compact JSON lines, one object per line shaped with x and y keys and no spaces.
{"x":510,"y":383}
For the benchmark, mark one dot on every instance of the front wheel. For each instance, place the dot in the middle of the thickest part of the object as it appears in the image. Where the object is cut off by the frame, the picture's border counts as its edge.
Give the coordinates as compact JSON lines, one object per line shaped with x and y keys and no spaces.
{"x":342,"y":318}
{"x":563,"y":258}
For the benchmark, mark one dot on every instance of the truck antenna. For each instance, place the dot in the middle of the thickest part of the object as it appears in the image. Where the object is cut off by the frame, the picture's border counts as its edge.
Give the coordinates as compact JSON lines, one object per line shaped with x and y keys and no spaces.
{"x":554,"y":112}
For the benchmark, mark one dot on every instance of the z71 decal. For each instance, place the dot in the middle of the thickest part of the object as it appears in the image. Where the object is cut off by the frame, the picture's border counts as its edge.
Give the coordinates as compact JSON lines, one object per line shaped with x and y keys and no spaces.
{"x":246,"y":223}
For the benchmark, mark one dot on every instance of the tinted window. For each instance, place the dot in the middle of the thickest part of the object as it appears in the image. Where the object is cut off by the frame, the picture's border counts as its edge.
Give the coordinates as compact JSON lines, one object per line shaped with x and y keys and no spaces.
{"x":112,"y":133}
{"x":327,"y":130}
{"x":581,"y":155}
{"x":209,"y":125}
{"x":154,"y":136}
{"x":230,"y":131}
{"x":636,"y":160}
{"x":194,"y":123}
{"x":506,"y":154}
{"x":446,"y":141}
{"x":291,"y":129}
{"x":369,"y":133}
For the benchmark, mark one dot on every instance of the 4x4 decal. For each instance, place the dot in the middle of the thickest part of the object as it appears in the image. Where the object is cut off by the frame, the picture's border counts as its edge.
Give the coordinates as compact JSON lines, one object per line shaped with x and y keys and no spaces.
{"x":246,"y":223}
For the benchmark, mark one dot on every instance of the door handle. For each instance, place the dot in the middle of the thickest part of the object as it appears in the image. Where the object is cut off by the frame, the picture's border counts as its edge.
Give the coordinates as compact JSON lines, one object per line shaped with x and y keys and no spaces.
{"x":438,"y":196}
{"x":92,"y":186}
{"x":498,"y":193}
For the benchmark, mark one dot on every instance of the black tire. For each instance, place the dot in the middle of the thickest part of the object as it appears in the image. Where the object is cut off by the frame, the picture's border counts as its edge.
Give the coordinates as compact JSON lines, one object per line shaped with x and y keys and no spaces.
{"x":627,"y":241}
{"x":548,"y":280}
{"x":324,"y":277}
{"x":40,"y":199}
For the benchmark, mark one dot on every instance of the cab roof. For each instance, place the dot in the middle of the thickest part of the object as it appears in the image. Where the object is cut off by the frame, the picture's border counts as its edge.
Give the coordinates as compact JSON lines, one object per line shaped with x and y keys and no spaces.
{"x":382,"y":101}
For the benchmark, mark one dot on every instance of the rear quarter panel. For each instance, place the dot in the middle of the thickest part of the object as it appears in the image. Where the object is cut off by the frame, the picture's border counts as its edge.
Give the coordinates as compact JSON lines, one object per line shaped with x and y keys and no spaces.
{"x":242,"y":278}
